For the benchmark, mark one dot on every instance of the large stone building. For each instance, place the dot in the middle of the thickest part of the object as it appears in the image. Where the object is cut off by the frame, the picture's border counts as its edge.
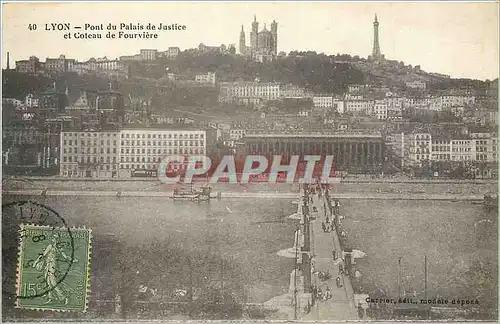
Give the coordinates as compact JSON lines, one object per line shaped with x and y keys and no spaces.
{"x":32,"y":65}
{"x":363,"y":152}
{"x":144,"y":148}
{"x":414,"y":148}
{"x":89,"y":154}
{"x":249,"y":92}
{"x":263,"y":44}
{"x":123,"y":153}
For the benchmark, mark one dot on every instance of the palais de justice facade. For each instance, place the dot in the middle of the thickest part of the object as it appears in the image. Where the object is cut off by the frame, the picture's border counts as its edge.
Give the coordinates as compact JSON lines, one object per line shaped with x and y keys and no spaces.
{"x":352,"y":152}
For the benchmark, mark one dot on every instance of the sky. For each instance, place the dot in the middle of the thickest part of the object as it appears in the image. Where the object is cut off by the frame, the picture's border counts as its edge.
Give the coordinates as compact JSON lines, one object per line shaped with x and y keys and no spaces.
{"x":455,"y":38}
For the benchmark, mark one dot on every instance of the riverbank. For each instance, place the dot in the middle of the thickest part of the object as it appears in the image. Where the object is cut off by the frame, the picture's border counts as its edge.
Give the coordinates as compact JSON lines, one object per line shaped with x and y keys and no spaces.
{"x":274,"y":195}
{"x":352,"y":189}
{"x":363,"y":179}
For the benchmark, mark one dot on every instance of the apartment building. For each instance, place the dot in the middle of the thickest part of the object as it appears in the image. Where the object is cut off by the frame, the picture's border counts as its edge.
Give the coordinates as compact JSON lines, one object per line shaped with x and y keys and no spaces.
{"x":209,"y":78}
{"x":89,"y":154}
{"x":417,"y":147}
{"x":249,"y":92}
{"x":144,"y":148}
{"x":359,"y":106}
{"x":323,"y":101}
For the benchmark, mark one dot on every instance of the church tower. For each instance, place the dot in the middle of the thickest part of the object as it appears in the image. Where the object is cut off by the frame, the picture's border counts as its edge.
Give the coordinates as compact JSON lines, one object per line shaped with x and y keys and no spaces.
{"x":376,"y":55}
{"x":254,"y":35}
{"x":274,"y":37}
{"x":243,"y":46}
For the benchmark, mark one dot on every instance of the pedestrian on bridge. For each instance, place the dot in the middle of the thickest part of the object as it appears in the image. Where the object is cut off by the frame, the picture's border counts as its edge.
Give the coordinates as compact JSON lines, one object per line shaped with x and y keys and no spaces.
{"x":328,"y":293}
{"x":339,"y":284}
{"x":361,"y":311}
{"x":323,"y":226}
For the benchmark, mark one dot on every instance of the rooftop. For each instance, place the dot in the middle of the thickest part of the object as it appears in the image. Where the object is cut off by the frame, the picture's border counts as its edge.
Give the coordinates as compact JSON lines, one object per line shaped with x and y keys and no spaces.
{"x":161,"y":127}
{"x":325,"y":134}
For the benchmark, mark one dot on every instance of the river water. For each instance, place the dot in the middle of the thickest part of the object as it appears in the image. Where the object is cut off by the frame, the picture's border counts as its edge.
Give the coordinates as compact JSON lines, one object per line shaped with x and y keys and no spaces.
{"x":453,"y":235}
{"x":458,"y":238}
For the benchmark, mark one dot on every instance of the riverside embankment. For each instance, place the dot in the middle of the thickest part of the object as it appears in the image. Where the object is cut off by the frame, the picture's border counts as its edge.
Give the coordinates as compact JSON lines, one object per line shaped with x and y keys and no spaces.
{"x":222,"y":195}
{"x":347,"y":188}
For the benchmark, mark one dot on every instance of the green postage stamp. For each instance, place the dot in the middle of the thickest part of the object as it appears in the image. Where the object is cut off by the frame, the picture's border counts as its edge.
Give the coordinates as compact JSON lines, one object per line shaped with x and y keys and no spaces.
{"x":53,"y":268}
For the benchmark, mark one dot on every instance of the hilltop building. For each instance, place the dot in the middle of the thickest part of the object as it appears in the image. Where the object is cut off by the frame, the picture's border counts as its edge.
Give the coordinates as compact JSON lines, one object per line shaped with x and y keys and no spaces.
{"x":263,"y":44}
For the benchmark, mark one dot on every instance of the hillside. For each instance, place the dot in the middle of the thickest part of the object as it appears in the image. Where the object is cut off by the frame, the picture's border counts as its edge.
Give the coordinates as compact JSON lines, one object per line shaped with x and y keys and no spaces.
{"x":315,"y":72}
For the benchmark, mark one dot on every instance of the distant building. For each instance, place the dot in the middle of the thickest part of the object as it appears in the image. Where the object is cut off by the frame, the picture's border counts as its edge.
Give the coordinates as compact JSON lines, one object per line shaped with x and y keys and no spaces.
{"x":263,"y":44}
{"x":148,"y":54}
{"x":202,"y":48}
{"x":31,"y":102}
{"x":28,"y":66}
{"x":449,"y":101}
{"x":358,"y":106}
{"x":81,"y":104}
{"x":209,"y":78}
{"x":350,"y":96}
{"x":249,"y":92}
{"x":172,"y":53}
{"x":136,"y":57}
{"x":292,"y":91}
{"x":338,"y":106}
{"x":356,"y":87}
{"x":59,"y":65}
{"x":380,"y":109}
{"x":236,"y":134}
{"x":420,"y":85}
{"x":323,"y":101}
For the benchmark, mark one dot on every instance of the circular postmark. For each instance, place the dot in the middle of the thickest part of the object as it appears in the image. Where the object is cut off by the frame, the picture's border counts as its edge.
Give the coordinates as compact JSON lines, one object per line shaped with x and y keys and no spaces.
{"x":45,"y":243}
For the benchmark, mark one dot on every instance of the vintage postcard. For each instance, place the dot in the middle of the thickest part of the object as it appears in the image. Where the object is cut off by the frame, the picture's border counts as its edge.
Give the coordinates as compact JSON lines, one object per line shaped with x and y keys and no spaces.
{"x":249,"y":161}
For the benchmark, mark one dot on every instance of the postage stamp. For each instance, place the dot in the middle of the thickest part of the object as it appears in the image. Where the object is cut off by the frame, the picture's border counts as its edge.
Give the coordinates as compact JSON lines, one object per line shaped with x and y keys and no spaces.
{"x":53,"y":268}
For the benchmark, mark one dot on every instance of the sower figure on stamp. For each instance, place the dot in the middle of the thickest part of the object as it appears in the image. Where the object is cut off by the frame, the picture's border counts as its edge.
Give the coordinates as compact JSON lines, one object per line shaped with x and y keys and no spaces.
{"x":47,"y":263}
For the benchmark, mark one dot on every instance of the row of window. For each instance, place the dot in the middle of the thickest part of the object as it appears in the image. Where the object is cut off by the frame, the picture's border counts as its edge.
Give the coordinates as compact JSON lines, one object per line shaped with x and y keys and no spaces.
{"x":180,"y":136}
{"x":173,"y":167}
{"x":440,"y":148}
{"x":74,"y":170}
{"x":141,"y":159}
{"x":75,"y":150}
{"x":461,"y":149}
{"x":164,"y":151}
{"x":165,"y":143}
{"x":88,"y":159}
{"x":441,"y":156}
{"x":64,"y":134}
{"x":89,"y":143}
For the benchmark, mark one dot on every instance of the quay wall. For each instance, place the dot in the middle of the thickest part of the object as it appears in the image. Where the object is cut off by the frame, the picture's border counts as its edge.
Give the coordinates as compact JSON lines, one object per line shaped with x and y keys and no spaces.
{"x":345,"y":180}
{"x":283,"y":195}
{"x":374,"y":188}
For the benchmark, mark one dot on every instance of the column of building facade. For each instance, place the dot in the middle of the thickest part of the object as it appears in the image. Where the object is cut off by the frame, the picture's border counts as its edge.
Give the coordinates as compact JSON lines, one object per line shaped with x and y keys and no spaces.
{"x":381,"y":153}
{"x":369,"y":153}
{"x":357,"y":154}
{"x":341,"y":151}
{"x":377,"y":149}
{"x":350,"y":154}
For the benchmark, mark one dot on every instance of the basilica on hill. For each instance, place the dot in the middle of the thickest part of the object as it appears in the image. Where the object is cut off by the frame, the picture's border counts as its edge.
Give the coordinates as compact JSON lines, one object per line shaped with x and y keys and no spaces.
{"x":263,"y":44}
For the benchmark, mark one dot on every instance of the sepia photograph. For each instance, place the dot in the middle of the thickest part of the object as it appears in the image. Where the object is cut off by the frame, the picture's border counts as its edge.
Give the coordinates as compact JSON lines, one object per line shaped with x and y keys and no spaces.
{"x":250,"y":161}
